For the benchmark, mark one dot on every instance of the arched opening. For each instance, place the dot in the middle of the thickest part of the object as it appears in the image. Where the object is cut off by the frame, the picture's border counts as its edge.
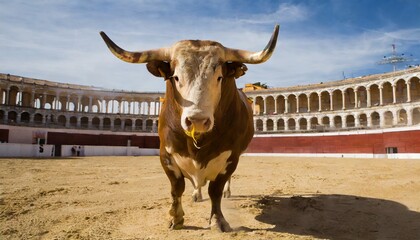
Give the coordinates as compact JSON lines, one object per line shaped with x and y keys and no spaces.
{"x":314,"y":100}
{"x":388,"y":119}
{"x":326,"y":121}
{"x":314,"y":123}
{"x":259,"y":125}
{"x":73,"y":121}
{"x":96,"y":122}
{"x":291,"y":123}
{"x":402,"y":117}
{"x":280,"y":104}
{"x":270,"y":105}
{"x":349,"y":98}
{"x":84,"y":122}
{"x":338,"y":122}
{"x":270,"y":125}
{"x":325,"y":101}
{"x":149,"y":125}
{"x":24,"y":117}
{"x":280,"y":125}
{"x":375,"y":117}
{"x":303,"y":103}
{"x":350,"y":122}
{"x":387,"y":93}
{"x":128,"y":124}
{"x":416,"y":116}
{"x":62,"y":120}
{"x":363,"y":120}
{"x":139,"y":124}
{"x":337,"y":100}
{"x":303,"y":124}
{"x":106,"y":124}
{"x":401,"y":91}
{"x":38,"y":118}
{"x":291,"y":101}
{"x":361,"y":97}
{"x":259,"y":106}
{"x":374,"y":95}
{"x":117,"y":124}
{"x":415,"y":89}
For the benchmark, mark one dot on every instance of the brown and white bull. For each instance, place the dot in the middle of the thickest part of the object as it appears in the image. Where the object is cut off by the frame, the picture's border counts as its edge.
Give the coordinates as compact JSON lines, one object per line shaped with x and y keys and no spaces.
{"x":205,"y":122}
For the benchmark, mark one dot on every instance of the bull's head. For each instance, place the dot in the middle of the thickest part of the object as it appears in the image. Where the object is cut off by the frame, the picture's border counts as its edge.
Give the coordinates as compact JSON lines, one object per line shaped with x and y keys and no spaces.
{"x":196,"y":69}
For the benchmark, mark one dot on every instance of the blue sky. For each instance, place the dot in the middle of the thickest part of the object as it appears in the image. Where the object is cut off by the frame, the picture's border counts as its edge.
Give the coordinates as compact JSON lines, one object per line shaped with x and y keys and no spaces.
{"x":319,"y":40}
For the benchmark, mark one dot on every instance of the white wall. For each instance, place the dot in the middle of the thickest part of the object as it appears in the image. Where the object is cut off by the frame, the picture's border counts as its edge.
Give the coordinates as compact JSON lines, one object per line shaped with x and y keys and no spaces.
{"x":25,"y":150}
{"x":34,"y":150}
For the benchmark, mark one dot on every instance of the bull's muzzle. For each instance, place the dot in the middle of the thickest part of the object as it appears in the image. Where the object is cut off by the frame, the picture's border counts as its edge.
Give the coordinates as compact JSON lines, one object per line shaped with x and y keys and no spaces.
{"x":199,"y":124}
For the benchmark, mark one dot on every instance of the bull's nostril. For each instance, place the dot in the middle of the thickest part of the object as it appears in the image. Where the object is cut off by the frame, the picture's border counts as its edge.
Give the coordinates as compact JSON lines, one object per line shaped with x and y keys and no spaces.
{"x":207,"y":123}
{"x":188,"y":122}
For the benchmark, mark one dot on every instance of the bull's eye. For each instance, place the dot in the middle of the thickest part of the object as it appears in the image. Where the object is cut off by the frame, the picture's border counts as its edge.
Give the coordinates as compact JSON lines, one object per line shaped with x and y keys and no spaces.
{"x":175,"y":78}
{"x":219,"y":79}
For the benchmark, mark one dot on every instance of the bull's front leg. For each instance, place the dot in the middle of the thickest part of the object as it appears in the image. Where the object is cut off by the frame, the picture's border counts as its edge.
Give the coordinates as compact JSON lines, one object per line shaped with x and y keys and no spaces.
{"x":176,"y":211}
{"x":177,"y":189}
{"x":217,"y":220}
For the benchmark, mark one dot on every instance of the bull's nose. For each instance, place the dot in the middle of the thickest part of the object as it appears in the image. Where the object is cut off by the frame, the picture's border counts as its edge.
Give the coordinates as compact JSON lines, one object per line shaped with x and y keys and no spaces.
{"x":199,"y":124}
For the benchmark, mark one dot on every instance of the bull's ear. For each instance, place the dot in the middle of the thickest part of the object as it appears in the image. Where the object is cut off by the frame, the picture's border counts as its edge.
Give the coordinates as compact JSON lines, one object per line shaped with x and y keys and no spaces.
{"x":159,"y":69}
{"x":235,"y":69}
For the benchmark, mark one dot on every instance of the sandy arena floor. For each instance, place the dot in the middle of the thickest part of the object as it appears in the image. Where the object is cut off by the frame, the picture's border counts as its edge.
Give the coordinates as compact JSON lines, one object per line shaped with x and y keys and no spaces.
{"x":272,"y":198}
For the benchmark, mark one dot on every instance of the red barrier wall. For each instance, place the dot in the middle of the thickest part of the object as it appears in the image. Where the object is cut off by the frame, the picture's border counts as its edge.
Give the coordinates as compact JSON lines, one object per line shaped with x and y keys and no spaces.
{"x":404,"y":141}
{"x":58,"y":138}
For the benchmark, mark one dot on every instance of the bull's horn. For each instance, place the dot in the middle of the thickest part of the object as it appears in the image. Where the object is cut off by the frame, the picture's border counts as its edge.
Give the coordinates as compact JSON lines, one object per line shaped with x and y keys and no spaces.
{"x":244,"y":56}
{"x":161,"y":54}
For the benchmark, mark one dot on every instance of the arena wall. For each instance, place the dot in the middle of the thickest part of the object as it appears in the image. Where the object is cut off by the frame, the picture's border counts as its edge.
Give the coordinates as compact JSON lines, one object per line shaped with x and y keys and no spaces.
{"x":390,"y":143}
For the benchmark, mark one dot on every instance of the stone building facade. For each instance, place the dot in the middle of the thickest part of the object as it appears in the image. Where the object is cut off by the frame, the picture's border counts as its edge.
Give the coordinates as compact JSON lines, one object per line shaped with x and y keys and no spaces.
{"x":40,"y":103}
{"x":370,"y":102}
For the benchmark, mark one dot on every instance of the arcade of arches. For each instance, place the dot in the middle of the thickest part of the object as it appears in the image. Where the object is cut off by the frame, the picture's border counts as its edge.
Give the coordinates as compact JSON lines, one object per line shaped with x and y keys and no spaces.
{"x":376,"y":101}
{"x":31,"y":102}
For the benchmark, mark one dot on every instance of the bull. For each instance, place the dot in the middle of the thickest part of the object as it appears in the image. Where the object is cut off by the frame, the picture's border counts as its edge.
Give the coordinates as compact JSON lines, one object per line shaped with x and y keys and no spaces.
{"x":205,"y":123}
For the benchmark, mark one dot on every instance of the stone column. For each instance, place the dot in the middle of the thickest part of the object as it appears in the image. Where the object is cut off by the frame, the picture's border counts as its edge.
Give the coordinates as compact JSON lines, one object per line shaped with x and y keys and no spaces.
{"x":265,"y":125}
{"x":286,"y":105}
{"x":32,"y":99}
{"x":265,"y":105}
{"x":394,"y":93}
{"x":381,"y":100}
{"x":275,"y":105}
{"x":368,"y":97}
{"x":44,"y":99}
{"x":343,"y":96}
{"x":319,"y":102}
{"x":297,"y":104}
{"x":68,"y":103}
{"x":309,"y":103}
{"x":79,"y":100}
{"x":90,"y":104}
{"x":410,"y":117}
{"x":356,"y":99}
{"x":331,"y":101}
{"x":357,"y":121}
{"x":408,"y":92}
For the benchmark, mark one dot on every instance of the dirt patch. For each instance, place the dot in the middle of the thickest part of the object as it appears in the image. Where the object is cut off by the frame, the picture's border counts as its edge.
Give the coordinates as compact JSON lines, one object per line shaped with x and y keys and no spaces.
{"x":272,"y":198}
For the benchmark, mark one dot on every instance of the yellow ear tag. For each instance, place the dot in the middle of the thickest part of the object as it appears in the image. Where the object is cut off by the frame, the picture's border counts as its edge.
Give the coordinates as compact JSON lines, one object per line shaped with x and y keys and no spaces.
{"x":192,"y":135}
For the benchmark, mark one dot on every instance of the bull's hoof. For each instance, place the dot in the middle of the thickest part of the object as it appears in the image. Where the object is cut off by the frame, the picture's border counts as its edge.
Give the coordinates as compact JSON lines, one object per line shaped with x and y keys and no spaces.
{"x":197,"y":196}
{"x":220,"y":225}
{"x":176,"y":225}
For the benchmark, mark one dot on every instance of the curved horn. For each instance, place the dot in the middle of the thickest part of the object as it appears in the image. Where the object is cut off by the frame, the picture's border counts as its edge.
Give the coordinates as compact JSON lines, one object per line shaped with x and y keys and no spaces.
{"x":161,"y":54}
{"x":243,"y":56}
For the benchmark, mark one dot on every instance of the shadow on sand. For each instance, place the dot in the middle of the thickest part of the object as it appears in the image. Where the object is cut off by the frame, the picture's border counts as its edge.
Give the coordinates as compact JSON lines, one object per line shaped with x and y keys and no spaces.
{"x":339,"y":217}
